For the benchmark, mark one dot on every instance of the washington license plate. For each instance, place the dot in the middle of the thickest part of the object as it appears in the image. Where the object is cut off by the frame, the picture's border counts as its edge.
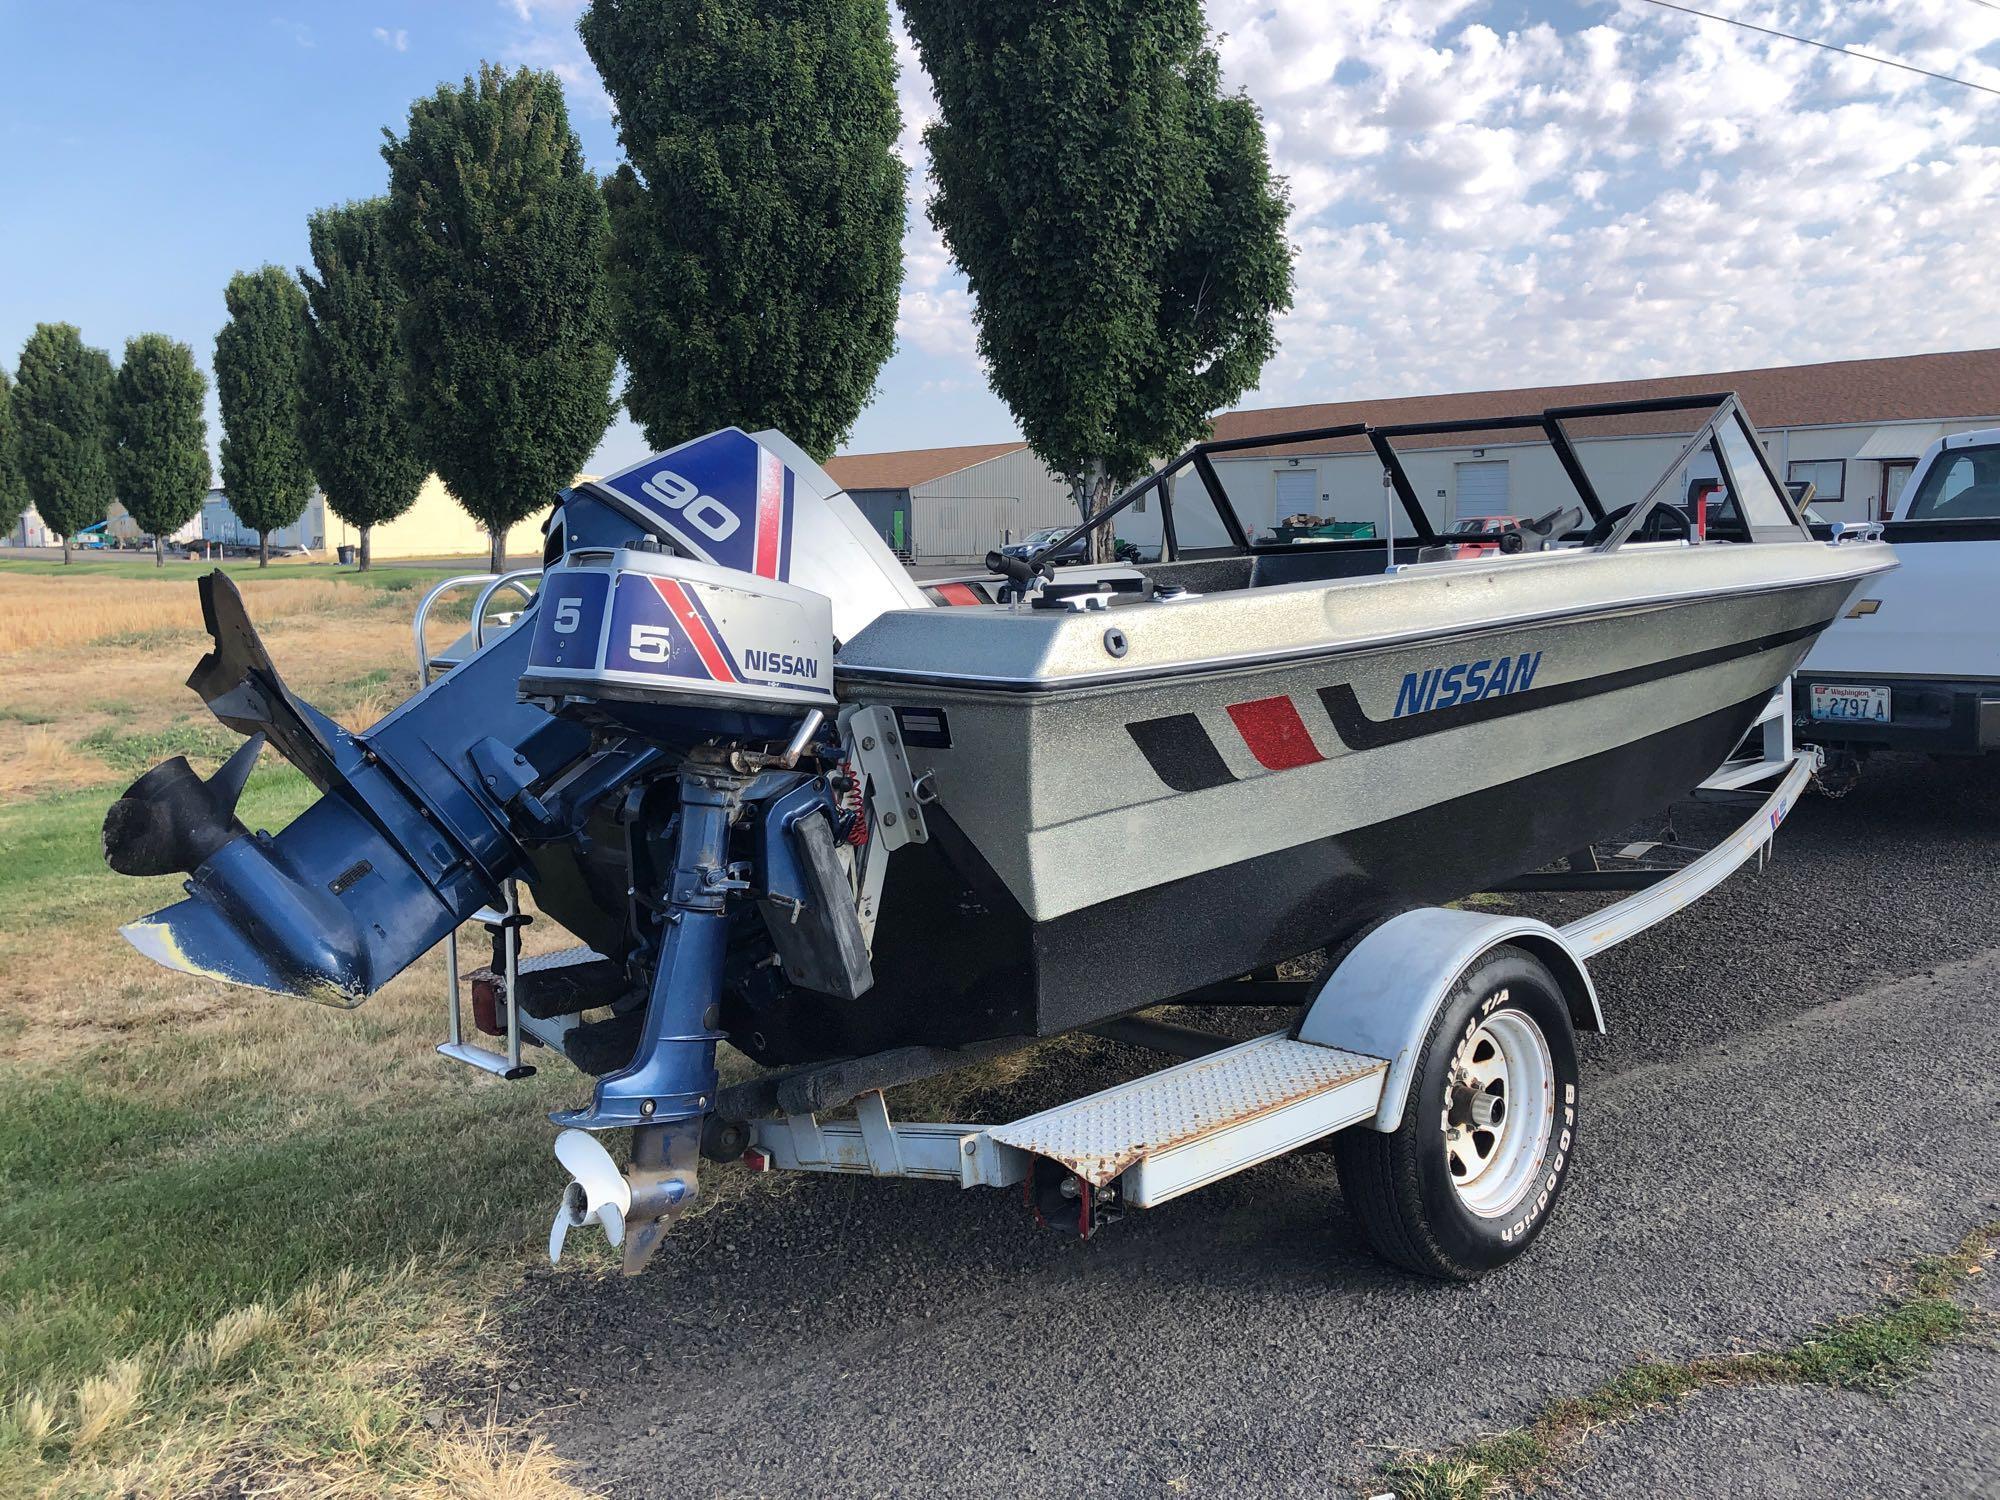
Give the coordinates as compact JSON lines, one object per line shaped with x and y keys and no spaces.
{"x":1836,"y":703}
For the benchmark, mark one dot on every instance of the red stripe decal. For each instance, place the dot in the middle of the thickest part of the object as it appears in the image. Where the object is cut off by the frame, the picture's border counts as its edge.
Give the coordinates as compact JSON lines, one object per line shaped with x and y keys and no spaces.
{"x":770,"y":512}
{"x":1275,"y":733}
{"x":676,"y":600}
{"x":958,"y":593}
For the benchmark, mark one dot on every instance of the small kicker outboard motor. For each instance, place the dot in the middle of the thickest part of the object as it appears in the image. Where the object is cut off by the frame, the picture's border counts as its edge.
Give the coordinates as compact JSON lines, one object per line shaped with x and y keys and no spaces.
{"x":655,"y":747}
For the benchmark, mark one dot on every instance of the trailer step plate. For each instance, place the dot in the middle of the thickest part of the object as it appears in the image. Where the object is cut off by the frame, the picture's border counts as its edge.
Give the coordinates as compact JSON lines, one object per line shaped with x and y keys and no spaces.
{"x":1176,"y":1130}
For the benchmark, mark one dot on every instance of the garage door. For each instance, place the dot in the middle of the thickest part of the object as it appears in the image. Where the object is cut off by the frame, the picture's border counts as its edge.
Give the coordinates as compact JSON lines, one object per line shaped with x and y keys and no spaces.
{"x":1298,"y":491}
{"x":1482,"y":490}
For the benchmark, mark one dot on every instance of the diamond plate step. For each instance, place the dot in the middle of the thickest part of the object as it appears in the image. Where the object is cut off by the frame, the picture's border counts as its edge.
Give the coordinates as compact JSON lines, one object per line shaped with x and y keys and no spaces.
{"x":1172,"y":1131}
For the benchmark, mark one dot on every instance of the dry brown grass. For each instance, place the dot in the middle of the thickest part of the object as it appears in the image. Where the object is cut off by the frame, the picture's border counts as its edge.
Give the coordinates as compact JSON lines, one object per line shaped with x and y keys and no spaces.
{"x":135,"y":685}
{"x":486,"y":1463}
{"x":325,"y":1411}
{"x":36,"y":760}
{"x":306,"y":1394}
{"x":104,"y":1402}
{"x":42,"y":613}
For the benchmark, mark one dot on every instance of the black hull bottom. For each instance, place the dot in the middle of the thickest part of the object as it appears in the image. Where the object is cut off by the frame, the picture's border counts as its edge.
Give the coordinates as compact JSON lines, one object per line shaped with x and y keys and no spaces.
{"x":959,"y":961}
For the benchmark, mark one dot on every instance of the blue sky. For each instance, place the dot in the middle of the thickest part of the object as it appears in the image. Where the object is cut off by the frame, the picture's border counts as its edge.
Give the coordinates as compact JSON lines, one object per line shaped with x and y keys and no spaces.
{"x":1486,"y":192}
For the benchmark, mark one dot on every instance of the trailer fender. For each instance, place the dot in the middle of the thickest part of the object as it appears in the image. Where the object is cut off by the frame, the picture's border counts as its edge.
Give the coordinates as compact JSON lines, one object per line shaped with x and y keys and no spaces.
{"x":1381,"y":997}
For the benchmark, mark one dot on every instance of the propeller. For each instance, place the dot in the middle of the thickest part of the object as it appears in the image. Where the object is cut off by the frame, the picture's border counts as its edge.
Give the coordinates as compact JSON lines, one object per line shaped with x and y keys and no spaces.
{"x":172,"y":820}
{"x":597,"y":1190}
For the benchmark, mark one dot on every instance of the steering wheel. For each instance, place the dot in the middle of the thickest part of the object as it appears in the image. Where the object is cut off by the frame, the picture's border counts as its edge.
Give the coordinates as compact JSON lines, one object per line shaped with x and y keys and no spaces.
{"x":1659,"y":526}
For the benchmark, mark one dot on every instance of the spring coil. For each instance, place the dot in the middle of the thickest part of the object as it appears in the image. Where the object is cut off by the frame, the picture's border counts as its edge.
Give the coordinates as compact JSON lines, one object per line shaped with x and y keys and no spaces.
{"x":854,"y":804}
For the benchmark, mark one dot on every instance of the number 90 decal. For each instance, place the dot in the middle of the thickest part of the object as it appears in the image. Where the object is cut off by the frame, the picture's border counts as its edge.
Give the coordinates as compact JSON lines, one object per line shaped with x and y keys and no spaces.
{"x":704,"y":513}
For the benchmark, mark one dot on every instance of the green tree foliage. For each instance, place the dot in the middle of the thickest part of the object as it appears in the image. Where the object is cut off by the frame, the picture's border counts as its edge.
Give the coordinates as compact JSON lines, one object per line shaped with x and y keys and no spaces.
{"x":13,"y":492}
{"x":497,"y":234}
{"x":355,"y":420}
{"x":62,"y":405}
{"x":159,"y":438}
{"x":757,"y":225}
{"x":1115,"y":214}
{"x":258,"y":356}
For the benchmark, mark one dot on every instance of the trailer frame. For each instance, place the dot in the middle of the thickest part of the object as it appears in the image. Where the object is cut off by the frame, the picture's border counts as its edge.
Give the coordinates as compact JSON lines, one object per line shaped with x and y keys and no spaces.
{"x":1347,"y":1061}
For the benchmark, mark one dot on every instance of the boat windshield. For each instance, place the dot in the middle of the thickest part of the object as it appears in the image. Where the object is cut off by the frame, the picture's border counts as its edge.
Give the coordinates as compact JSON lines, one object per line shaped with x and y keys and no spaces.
{"x":1676,"y":469}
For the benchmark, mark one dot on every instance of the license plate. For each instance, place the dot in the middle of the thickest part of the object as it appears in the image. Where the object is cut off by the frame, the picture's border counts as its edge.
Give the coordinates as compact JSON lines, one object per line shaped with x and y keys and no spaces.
{"x":1834,"y":703}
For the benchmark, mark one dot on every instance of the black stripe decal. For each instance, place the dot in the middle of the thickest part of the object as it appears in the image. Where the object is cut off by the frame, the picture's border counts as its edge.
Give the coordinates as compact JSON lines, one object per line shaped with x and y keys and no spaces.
{"x":1359,"y":732}
{"x":1180,"y":752}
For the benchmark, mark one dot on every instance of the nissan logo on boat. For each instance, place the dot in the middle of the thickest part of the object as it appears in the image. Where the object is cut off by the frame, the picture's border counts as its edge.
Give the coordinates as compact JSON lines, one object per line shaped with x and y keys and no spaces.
{"x":1465,"y":682}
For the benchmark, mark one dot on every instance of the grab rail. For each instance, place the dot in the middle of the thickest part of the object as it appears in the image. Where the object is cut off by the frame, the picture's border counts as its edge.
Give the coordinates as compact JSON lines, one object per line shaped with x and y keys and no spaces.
{"x":494,"y":582}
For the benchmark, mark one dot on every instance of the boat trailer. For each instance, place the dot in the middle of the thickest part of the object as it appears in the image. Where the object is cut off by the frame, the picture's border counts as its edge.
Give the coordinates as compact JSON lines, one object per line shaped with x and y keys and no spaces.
{"x":1347,"y":1065}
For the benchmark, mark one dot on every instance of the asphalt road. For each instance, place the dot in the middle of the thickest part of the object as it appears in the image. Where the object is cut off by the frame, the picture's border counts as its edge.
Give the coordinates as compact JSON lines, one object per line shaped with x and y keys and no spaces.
{"x":1797,"y":1093}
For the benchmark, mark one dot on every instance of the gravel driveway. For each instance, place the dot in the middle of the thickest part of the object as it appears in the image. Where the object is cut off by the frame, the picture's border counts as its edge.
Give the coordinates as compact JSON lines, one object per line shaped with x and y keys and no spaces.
{"x":1798,"y":1092}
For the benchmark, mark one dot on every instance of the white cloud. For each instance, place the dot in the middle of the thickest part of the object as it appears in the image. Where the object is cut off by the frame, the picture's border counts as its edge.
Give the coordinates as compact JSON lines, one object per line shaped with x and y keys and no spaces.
{"x":545,"y":37}
{"x":1483,"y":200}
{"x":397,"y":40}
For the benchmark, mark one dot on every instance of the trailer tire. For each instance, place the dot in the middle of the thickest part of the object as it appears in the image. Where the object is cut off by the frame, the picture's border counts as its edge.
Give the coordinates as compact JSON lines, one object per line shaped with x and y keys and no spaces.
{"x":1462,"y":1186}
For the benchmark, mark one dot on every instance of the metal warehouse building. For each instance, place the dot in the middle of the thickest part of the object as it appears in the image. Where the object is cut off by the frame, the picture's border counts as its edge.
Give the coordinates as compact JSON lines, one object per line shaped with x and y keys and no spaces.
{"x":952,"y":505}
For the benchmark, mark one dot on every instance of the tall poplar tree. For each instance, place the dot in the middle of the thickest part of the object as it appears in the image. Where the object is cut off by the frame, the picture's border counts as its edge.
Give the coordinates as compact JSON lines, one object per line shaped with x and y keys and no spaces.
{"x":497,"y":234}
{"x":258,"y":356}
{"x":356,"y":419}
{"x":1115,"y":214}
{"x":757,"y":223}
{"x":13,"y":492}
{"x":159,"y":438}
{"x":62,"y":405}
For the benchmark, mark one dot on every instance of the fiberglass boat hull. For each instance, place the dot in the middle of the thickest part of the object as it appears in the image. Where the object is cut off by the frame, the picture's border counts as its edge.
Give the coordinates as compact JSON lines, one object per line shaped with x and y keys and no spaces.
{"x":1103,"y":841}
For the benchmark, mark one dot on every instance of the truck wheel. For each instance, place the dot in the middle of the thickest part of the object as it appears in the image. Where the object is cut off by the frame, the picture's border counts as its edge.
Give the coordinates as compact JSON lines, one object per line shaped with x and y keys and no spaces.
{"x":1470,"y":1176}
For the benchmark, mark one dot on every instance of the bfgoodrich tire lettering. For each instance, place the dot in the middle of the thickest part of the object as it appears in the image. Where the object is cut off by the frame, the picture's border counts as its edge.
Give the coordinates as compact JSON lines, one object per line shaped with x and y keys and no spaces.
{"x":1451,"y":1193}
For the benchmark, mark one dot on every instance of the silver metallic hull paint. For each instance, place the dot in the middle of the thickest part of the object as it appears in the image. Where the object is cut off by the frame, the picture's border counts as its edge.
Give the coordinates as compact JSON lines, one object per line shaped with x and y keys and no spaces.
{"x":1046,"y":779}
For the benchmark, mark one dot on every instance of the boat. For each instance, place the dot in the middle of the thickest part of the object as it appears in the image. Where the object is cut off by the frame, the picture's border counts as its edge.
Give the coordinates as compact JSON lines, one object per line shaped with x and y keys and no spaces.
{"x":787,"y":796}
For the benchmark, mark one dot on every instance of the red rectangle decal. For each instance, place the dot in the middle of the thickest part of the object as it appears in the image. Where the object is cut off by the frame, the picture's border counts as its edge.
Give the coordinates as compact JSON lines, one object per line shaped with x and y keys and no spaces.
{"x":1275,"y":733}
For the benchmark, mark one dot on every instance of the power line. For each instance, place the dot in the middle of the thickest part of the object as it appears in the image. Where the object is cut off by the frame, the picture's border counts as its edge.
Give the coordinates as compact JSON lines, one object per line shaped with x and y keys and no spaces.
{"x":1887,"y":62}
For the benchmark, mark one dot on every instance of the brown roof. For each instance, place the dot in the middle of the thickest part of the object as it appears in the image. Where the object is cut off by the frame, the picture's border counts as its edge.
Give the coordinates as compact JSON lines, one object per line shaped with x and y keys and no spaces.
{"x":1915,"y":387}
{"x":898,"y":471}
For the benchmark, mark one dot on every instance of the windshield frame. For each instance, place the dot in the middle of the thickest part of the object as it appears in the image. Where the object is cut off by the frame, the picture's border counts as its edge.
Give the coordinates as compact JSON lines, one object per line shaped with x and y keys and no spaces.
{"x":1724,"y":407}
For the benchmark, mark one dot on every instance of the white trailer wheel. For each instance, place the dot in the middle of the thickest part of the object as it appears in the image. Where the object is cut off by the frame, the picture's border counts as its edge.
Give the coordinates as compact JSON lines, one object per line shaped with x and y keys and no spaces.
{"x":1500,"y":1115}
{"x":1469,"y":1176}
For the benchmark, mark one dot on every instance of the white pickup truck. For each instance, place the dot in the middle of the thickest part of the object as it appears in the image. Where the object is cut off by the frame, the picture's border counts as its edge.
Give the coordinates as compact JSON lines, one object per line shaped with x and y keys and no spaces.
{"x":1914,"y":663}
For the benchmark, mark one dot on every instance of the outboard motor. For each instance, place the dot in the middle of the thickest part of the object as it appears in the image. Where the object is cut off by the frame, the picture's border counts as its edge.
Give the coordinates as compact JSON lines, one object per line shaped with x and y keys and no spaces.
{"x":655,"y":747}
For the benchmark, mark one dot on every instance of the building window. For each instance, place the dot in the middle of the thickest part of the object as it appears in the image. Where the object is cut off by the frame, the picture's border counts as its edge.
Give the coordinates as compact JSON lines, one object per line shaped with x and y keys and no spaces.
{"x":1827,"y":476}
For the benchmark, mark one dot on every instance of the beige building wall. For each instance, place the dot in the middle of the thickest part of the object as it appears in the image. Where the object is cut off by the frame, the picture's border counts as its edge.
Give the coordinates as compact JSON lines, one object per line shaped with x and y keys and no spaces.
{"x":437,"y":526}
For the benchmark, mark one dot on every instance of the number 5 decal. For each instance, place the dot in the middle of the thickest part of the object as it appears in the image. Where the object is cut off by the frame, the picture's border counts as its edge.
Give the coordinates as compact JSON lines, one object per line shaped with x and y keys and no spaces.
{"x":569,"y":614}
{"x":651,"y":643}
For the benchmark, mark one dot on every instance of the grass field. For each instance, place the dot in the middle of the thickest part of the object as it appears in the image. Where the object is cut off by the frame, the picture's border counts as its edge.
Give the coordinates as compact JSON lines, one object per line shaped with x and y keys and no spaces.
{"x":231,"y":1227}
